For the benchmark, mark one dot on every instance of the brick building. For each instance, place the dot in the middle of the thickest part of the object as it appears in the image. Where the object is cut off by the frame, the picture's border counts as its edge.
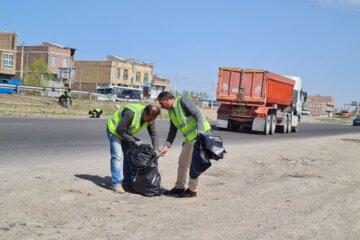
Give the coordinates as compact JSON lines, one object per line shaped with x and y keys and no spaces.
{"x":115,"y":71}
{"x":159,"y":84}
{"x":59,"y":59}
{"x":320,"y":105}
{"x":8,"y":42}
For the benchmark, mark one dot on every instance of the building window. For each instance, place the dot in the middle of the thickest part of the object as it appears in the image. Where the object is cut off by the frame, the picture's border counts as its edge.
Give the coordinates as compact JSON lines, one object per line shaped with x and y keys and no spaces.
{"x":126,"y":74}
{"x":53,"y":61}
{"x":117,"y":73}
{"x":65,"y":62}
{"x":8,"y":60}
{"x":138,"y":76}
{"x":146,"y":77}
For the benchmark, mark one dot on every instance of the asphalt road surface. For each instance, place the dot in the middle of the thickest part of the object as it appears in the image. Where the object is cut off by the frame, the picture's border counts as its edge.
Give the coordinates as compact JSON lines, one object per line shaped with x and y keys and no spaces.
{"x":31,"y":141}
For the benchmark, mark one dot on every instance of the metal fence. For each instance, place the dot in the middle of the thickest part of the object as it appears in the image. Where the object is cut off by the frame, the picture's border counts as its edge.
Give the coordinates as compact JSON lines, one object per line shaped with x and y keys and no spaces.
{"x":47,"y":91}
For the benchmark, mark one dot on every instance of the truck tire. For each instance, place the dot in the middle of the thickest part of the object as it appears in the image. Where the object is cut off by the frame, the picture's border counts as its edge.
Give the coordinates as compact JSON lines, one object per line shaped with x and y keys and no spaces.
{"x":273,"y":124}
{"x":284,"y":127}
{"x":267,"y":126}
{"x":288,"y":122}
{"x":232,"y":126}
{"x":296,"y":128}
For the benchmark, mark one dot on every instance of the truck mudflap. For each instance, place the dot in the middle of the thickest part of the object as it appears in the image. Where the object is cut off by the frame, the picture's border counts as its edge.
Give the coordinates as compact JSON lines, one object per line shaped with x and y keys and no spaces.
{"x":222,"y":121}
{"x":258,"y":124}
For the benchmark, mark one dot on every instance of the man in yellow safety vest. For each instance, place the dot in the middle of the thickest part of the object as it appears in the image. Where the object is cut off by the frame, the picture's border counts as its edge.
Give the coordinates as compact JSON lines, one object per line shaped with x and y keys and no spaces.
{"x":185,"y":118}
{"x":121,"y":128}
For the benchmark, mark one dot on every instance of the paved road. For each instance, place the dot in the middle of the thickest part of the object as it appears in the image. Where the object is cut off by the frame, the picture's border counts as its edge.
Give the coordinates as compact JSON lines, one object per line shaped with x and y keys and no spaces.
{"x":26,"y":141}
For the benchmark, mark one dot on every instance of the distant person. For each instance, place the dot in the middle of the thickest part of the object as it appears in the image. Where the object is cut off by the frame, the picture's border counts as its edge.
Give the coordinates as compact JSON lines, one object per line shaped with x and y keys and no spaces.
{"x":95,"y":113}
{"x":187,"y":119}
{"x":67,"y":92}
{"x":121,"y":128}
{"x":65,"y":99}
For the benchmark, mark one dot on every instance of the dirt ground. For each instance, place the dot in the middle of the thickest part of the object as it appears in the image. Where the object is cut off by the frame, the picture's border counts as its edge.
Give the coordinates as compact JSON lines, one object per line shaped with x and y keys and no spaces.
{"x":305,"y":189}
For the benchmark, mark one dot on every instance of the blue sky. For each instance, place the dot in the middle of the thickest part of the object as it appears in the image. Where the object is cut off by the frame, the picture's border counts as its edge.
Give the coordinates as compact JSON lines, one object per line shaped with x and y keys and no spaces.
{"x":318,"y":40}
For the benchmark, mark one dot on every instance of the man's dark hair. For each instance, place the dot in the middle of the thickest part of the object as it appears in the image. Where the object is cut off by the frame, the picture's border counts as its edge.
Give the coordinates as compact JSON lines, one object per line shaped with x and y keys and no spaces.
{"x":165,"y":96}
{"x":152,"y":110}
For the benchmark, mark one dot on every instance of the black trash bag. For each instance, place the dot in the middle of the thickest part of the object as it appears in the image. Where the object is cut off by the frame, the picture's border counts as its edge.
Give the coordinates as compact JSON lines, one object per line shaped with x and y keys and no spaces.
{"x":146,"y":178}
{"x":206,"y":147}
{"x":200,"y":161}
{"x":213,"y":146}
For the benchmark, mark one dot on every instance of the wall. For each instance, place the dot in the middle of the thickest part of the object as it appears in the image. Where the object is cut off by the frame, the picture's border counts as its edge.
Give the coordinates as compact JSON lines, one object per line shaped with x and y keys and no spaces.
{"x":320,"y":105}
{"x":8,"y":42}
{"x":92,"y":74}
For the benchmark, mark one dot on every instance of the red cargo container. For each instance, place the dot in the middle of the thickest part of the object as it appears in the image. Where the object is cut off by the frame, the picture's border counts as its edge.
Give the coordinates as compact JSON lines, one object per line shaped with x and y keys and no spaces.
{"x":257,"y":87}
{"x":254,"y":98}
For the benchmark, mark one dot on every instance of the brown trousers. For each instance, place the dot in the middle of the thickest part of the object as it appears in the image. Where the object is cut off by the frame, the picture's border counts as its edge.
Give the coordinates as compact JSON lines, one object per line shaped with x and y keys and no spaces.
{"x":184,"y":166}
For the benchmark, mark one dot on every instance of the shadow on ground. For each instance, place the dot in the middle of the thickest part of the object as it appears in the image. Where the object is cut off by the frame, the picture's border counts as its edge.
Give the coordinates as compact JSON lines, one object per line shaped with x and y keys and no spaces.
{"x":104,"y":182}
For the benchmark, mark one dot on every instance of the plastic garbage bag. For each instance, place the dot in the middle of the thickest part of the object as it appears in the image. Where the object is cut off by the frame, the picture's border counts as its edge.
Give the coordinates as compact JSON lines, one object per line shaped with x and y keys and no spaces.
{"x":146,"y":178}
{"x":206,"y":147}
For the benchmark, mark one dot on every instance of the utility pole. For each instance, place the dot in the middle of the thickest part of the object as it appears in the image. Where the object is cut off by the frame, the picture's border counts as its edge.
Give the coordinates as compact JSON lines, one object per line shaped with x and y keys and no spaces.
{"x":97,"y":77}
{"x":22,"y":61}
{"x":175,"y":87}
{"x":132,"y":73}
{"x":212,"y":90}
{"x":178,"y":81}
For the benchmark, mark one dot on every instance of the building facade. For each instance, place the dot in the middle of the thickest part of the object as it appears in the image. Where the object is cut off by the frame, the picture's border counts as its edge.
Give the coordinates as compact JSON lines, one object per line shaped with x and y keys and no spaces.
{"x":59,"y":59}
{"x":8,"y":42}
{"x":114,"y":71}
{"x":320,"y":105}
{"x":159,"y":84}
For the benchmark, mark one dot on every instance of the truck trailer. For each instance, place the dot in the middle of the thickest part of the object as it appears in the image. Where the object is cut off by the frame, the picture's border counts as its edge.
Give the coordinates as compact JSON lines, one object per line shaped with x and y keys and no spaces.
{"x":259,"y":100}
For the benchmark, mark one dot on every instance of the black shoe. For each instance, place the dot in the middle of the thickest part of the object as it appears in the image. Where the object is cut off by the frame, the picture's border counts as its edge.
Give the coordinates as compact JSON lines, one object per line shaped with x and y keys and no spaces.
{"x":174,"y":191}
{"x":188,"y":193}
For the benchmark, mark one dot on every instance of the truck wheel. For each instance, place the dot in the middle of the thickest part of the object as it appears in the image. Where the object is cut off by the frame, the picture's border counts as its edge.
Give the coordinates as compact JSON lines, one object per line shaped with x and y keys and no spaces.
{"x":296,"y":128}
{"x":288,"y":122}
{"x":284,"y":127}
{"x":267,"y":126}
{"x":273,"y":124}
{"x":232,"y":126}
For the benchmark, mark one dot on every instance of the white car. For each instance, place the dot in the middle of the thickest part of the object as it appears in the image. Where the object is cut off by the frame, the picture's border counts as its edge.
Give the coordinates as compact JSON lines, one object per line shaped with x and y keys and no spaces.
{"x":305,"y":112}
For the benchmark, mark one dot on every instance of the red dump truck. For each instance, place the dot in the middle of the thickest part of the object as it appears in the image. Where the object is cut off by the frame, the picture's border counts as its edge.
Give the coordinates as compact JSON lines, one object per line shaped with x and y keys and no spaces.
{"x":259,"y":100}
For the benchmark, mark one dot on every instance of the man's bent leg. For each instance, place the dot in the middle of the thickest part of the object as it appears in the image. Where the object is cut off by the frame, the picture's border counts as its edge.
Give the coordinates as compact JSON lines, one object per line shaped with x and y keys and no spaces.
{"x":116,"y":161}
{"x":184,"y":164}
{"x":126,"y":169}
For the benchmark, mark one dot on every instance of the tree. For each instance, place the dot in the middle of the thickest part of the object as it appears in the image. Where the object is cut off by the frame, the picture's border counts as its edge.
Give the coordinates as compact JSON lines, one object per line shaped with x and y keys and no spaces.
{"x":37,"y":74}
{"x":175,"y":94}
{"x":186,"y":93}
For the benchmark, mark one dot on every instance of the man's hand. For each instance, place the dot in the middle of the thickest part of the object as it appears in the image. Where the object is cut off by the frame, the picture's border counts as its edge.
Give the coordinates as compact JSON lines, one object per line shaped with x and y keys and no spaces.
{"x":157,"y":153}
{"x":200,"y":133}
{"x":138,"y":143}
{"x":164,"y":150}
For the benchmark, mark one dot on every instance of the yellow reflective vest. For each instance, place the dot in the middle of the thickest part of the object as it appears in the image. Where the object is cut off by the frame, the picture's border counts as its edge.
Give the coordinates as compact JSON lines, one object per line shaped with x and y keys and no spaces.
{"x":135,"y":126}
{"x":187,"y":126}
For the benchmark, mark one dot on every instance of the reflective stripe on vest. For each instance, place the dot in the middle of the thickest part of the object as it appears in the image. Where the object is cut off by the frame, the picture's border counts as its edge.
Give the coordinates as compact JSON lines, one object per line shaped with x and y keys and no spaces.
{"x":135,"y":125}
{"x":187,"y":126}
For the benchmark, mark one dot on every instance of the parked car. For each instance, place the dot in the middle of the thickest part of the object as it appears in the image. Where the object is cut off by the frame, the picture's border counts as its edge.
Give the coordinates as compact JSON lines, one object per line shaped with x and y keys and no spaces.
{"x":356,"y":121}
{"x":10,"y":90}
{"x":305,"y":112}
